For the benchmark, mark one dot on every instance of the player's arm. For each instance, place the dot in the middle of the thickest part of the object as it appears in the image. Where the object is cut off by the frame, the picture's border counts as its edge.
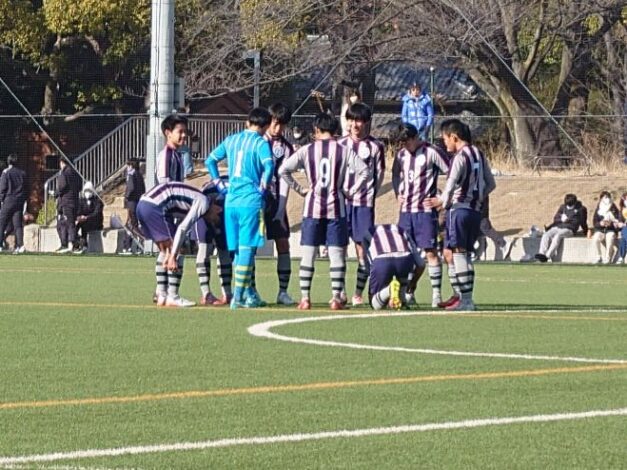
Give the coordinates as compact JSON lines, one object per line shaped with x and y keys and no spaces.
{"x":211,"y":162}
{"x":358,"y":166}
{"x":264,"y":152}
{"x":454,"y":176}
{"x":396,"y":174}
{"x":199,"y":207}
{"x":415,"y":252}
{"x":4,"y":186}
{"x":164,"y":160}
{"x":284,"y":191}
{"x":379,"y":167}
{"x":292,"y":164}
{"x":438,"y":160}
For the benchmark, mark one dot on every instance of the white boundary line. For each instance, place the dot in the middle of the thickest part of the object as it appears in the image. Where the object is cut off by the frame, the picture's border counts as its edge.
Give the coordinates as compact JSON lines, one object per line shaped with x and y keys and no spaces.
{"x":262,"y":330}
{"x":301,"y":437}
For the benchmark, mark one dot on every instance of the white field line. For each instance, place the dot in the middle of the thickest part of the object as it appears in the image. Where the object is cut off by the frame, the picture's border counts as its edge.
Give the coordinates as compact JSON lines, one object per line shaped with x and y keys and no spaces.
{"x":263,"y":330}
{"x":301,"y":437}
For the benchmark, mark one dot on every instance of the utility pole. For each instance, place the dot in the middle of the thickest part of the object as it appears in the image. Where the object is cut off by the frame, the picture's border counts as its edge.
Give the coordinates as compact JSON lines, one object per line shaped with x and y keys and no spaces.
{"x":255,"y":55}
{"x":161,"y":81}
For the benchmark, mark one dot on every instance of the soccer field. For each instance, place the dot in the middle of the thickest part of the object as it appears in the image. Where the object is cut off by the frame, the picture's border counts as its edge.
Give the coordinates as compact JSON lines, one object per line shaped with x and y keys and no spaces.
{"x":93,"y":376}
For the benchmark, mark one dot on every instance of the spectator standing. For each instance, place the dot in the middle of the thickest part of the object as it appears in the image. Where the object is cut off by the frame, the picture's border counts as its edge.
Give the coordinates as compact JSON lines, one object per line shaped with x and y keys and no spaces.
{"x":605,"y":225}
{"x":622,"y":247}
{"x":135,"y":187}
{"x":69,"y":186}
{"x":13,"y":195}
{"x":418,"y":110}
{"x":90,"y":215}
{"x":569,"y":217}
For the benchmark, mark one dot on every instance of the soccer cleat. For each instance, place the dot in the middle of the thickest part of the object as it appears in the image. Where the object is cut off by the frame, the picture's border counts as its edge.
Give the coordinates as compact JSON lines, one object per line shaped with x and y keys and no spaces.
{"x":410,"y":299}
{"x":178,"y":301}
{"x":159,"y":300}
{"x":462,"y":306}
{"x":357,"y":300}
{"x":395,"y":295}
{"x":454,"y":304}
{"x":235,"y":304}
{"x":450,"y":301}
{"x":254,"y":302}
{"x":283,"y":298}
{"x":304,"y":304}
{"x":343,"y":298}
{"x":208,"y":299}
{"x":224,"y":300}
{"x":253,"y":294}
{"x":337,"y":304}
{"x":436,"y":300}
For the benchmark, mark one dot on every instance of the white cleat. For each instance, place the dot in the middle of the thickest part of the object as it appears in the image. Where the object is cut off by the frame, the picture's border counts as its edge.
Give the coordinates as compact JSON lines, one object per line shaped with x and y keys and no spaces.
{"x":283,"y":298}
{"x":357,"y":300}
{"x":410,"y":299}
{"x":177,"y":301}
{"x":463,"y":306}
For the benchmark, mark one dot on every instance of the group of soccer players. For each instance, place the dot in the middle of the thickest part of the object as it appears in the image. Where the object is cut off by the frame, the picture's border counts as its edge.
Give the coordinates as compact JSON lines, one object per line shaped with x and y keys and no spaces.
{"x":342,"y":179}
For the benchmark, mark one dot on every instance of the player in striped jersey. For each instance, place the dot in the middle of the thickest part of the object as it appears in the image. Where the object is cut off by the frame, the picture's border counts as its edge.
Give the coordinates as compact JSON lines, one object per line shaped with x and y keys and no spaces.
{"x":169,"y":161}
{"x":250,"y":169}
{"x":414,"y":178}
{"x":326,"y":164}
{"x":210,"y":237}
{"x":360,"y":207}
{"x":277,"y":225}
{"x":157,"y":212}
{"x":392,"y":256}
{"x":468,"y":184}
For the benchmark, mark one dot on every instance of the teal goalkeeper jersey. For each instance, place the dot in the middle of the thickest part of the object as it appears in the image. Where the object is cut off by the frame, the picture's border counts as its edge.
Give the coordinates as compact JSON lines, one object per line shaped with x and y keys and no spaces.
{"x":250,"y":167}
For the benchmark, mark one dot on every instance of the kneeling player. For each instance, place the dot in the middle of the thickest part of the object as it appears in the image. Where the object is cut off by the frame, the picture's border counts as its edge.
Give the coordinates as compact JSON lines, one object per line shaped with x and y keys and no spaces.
{"x":392,"y":257}
{"x":156,"y":211}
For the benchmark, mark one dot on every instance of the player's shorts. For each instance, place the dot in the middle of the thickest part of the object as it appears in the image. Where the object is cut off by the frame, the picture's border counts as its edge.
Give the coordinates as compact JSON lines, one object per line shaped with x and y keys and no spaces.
{"x":154,"y":224}
{"x":360,"y":220}
{"x":320,"y":232}
{"x":204,"y":232}
{"x":383,"y":270}
{"x":462,"y":228}
{"x":244,"y":227}
{"x":421,"y":227}
{"x":275,"y":230}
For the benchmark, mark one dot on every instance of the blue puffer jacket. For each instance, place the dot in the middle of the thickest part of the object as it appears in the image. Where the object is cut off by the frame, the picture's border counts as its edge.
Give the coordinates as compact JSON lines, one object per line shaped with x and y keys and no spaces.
{"x":418,"y":111}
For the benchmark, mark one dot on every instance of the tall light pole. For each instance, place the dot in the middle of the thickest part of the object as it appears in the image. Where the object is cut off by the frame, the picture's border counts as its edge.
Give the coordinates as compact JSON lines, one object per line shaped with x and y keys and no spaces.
{"x":255,"y":55}
{"x":161,"y":81}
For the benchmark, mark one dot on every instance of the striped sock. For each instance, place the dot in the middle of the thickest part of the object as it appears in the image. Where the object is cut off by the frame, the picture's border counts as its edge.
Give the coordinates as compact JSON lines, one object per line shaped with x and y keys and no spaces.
{"x":243,"y":272}
{"x":225,"y":271}
{"x":452,"y":277}
{"x":337,"y":270}
{"x":162,"y":276}
{"x":362,"y":278}
{"x":203,"y":268}
{"x":174,"y":278}
{"x":465,"y":273}
{"x":435,"y":274}
{"x":306,"y":272}
{"x":284,"y":270}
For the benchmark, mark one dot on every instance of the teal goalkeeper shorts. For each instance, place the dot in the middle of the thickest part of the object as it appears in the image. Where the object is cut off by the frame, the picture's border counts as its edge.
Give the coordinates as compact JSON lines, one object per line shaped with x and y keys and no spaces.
{"x":245,"y":227}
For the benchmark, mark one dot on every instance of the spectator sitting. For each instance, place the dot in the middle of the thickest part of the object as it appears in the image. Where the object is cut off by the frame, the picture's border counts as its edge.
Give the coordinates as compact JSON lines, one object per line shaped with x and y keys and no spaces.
{"x":605,"y":222}
{"x":622,"y":247}
{"x":90,"y":215}
{"x":569,"y":217}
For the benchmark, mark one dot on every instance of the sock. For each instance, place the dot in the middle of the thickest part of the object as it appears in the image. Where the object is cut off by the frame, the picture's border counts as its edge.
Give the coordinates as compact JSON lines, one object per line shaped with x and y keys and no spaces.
{"x":381,"y":299}
{"x":337,"y":270}
{"x":435,"y":274}
{"x":225,"y":272}
{"x":464,"y":271}
{"x":306,"y":272}
{"x":203,"y":268}
{"x":243,"y":272}
{"x":162,"y":276}
{"x":362,"y":278}
{"x":284,"y":270}
{"x":174,"y":278}
{"x":452,"y":277}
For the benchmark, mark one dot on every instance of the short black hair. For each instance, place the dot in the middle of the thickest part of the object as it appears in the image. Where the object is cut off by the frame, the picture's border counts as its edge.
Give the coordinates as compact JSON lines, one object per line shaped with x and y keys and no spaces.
{"x":458,"y":128}
{"x":570,"y":199}
{"x":280,"y":112}
{"x":259,"y":117}
{"x":12,"y":159}
{"x":325,"y":123}
{"x":171,"y":121}
{"x":359,"y":112}
{"x":406,"y":132}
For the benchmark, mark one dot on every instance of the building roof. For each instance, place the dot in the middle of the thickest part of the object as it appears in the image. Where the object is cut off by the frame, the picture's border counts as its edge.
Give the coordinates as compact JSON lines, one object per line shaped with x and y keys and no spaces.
{"x":393,"y":79}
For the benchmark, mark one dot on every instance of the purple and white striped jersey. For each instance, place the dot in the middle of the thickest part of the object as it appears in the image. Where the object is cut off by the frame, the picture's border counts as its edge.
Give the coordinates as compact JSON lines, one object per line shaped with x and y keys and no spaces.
{"x":415,"y":176}
{"x":326,"y":164}
{"x":469,"y":181}
{"x":169,"y":166}
{"x":388,"y":241}
{"x":281,"y":149}
{"x":372,"y":152}
{"x":179,"y":201}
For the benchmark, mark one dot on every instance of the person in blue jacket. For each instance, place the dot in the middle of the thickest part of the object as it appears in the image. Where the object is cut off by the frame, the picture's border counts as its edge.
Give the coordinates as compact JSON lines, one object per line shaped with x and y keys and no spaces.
{"x":418,"y":110}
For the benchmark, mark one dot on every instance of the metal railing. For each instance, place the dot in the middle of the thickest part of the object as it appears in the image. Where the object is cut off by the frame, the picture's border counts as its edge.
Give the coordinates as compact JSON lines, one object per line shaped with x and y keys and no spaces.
{"x":106,"y":157}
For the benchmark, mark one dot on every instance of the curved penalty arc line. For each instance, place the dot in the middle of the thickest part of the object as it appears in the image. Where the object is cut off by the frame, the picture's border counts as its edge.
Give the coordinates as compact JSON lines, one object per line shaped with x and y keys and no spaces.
{"x":263,"y":330}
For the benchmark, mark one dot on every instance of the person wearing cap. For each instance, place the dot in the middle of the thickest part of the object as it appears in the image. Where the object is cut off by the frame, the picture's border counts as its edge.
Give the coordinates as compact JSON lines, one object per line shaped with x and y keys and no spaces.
{"x":13,"y":195}
{"x":90,"y":215}
{"x":418,"y":110}
{"x":69,"y":185}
